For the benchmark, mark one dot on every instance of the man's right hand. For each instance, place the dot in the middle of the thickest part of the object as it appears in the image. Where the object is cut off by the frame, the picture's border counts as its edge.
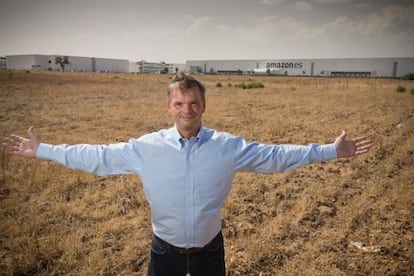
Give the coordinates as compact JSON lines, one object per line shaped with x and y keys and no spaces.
{"x":20,"y":146}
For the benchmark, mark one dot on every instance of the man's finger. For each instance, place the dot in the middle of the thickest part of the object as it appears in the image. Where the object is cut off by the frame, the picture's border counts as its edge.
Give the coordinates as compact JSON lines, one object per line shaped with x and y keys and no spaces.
{"x":30,"y":132}
{"x":363,"y":143}
{"x":359,"y":152}
{"x":13,"y":140}
{"x":364,"y":147}
{"x":14,"y":137}
{"x":343,"y":135}
{"x":11,"y":149}
{"x":360,"y":139}
{"x":8,"y":142}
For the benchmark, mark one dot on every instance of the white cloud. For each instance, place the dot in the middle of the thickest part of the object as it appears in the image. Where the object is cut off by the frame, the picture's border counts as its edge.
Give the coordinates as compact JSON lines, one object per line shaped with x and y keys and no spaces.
{"x":196,"y":23}
{"x":403,"y":13}
{"x":266,"y":28}
{"x":332,"y":1}
{"x":303,"y":6}
{"x":392,"y":22}
{"x":361,"y":5}
{"x":193,"y":25}
{"x":271,"y":2}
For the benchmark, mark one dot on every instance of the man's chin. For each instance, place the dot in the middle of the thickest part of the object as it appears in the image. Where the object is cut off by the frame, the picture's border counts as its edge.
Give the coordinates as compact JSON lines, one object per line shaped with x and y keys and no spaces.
{"x":188,"y":122}
{"x":189,"y":125}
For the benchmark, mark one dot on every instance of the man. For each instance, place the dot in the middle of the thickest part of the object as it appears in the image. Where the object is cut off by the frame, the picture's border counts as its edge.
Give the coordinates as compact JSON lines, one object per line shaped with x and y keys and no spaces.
{"x":187,"y":172}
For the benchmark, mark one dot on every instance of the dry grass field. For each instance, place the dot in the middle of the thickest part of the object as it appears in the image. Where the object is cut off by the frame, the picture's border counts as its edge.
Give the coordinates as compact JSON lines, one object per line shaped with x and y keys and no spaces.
{"x":342,"y":217}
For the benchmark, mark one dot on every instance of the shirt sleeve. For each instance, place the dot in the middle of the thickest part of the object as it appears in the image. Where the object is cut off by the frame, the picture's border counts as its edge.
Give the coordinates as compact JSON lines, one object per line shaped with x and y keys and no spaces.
{"x":95,"y":159}
{"x":256,"y":157}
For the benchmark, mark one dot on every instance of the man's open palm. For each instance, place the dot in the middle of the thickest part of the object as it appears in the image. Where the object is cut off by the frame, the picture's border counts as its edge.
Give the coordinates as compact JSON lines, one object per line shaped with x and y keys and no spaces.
{"x":349,"y":148}
{"x":25,"y":147}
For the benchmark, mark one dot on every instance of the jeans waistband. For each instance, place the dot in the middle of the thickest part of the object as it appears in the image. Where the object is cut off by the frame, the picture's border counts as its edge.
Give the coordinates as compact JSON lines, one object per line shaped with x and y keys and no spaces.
{"x":185,"y":251}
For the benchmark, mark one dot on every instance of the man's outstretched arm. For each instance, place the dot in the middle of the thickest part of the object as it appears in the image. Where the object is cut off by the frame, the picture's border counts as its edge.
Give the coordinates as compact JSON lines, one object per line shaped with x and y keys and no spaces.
{"x":20,"y":146}
{"x":119,"y":158}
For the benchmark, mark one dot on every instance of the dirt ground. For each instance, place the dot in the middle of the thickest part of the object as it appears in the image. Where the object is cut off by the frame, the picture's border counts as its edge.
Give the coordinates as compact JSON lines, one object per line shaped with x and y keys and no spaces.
{"x":341,"y":217}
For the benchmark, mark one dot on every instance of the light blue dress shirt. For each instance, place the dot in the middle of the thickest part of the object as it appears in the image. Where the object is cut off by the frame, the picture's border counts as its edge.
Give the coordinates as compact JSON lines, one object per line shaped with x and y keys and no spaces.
{"x":185,"y":181}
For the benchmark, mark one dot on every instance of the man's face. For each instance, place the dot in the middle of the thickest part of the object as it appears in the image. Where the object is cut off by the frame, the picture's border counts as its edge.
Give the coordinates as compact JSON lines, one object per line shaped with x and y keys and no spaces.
{"x":186,"y":108}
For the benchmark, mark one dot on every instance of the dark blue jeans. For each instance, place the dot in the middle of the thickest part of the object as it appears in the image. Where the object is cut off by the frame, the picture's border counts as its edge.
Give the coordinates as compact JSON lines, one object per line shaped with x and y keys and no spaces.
{"x":167,"y":262}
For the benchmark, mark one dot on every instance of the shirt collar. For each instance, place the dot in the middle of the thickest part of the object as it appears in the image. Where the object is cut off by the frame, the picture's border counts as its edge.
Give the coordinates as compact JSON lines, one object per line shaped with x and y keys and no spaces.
{"x":177,"y":136}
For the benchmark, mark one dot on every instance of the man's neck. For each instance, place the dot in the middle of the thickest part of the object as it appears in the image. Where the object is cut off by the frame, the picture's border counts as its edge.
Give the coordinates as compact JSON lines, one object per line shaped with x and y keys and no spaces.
{"x":188,"y":134}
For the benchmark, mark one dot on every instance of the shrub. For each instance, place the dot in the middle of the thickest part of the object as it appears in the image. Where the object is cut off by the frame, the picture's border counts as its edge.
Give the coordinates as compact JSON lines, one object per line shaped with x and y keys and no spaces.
{"x":241,"y":85}
{"x":257,"y":85}
{"x":409,"y":76}
{"x":250,"y":85}
{"x":412,"y":91}
{"x":400,"y":89}
{"x":219,"y":84}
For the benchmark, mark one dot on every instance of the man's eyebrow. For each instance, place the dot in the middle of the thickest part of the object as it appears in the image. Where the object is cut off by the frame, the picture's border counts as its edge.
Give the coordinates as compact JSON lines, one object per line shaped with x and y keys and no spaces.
{"x":192,"y":102}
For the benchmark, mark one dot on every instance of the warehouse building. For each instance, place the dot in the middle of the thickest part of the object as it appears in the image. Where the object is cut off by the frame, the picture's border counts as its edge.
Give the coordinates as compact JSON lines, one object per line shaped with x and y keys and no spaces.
{"x":87,"y":64}
{"x":2,"y":63}
{"x":73,"y":64}
{"x":162,"y":67}
{"x":353,"y":67}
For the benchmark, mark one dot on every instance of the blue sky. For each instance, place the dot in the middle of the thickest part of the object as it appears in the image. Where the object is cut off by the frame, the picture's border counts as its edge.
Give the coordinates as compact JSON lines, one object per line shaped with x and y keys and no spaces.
{"x":180,"y":30}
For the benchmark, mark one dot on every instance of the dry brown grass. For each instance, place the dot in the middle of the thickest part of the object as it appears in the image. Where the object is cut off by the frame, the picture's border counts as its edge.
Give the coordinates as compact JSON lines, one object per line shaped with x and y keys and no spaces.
{"x":55,"y":221}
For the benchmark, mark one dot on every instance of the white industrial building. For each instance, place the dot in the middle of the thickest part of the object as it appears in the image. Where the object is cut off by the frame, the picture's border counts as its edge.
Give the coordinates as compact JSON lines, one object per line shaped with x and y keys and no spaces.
{"x":143,"y":66}
{"x":2,"y":63}
{"x":88,"y":64}
{"x":352,"y":67}
{"x":76,"y":64}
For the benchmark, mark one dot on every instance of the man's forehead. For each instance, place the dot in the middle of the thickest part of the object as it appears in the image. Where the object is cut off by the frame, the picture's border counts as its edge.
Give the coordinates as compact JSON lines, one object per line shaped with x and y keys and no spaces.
{"x":177,"y":91}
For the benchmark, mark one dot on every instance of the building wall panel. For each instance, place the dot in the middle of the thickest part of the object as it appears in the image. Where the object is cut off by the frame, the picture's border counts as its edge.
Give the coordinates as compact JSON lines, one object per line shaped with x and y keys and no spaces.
{"x":374,"y":67}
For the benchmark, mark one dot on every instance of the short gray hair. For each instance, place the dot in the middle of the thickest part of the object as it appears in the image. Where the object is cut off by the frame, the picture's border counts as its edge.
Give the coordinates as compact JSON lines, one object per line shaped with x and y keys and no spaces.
{"x":184,"y":81}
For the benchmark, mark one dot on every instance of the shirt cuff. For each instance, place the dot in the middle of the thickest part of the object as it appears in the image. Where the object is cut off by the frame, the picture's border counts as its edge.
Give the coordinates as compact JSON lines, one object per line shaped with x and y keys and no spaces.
{"x":43,"y":151}
{"x":329,"y":151}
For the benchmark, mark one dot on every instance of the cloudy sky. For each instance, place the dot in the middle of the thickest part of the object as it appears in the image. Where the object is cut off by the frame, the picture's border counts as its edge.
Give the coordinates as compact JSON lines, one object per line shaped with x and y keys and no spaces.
{"x":180,"y":30}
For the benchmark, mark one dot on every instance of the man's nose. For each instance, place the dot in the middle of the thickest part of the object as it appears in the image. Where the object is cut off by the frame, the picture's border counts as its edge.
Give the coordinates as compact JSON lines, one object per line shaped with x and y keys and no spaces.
{"x":187,"y":108}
